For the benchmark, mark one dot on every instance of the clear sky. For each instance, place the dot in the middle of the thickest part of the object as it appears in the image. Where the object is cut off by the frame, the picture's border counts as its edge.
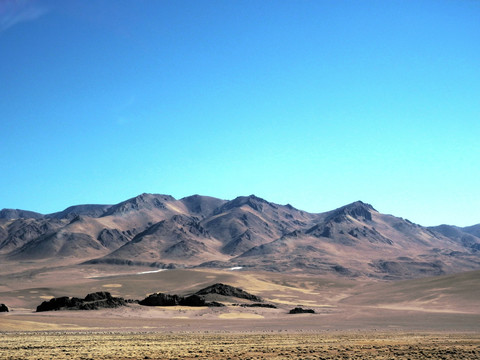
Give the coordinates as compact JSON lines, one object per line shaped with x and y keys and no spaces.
{"x":314,"y":103}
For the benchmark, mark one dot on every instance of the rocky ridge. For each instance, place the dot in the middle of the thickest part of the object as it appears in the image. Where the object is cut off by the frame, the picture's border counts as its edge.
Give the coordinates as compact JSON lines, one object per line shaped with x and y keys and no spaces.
{"x":198,"y":298}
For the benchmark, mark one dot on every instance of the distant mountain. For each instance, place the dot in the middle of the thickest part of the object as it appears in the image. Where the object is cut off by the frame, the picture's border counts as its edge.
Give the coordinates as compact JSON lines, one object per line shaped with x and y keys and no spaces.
{"x":468,"y":237}
{"x":473,"y":230}
{"x":85,"y":210}
{"x":19,"y":214}
{"x":354,"y":240}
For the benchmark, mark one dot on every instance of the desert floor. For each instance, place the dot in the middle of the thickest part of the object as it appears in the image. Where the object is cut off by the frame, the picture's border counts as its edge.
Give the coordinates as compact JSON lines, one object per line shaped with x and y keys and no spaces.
{"x":435,"y":318}
{"x":351,"y":345}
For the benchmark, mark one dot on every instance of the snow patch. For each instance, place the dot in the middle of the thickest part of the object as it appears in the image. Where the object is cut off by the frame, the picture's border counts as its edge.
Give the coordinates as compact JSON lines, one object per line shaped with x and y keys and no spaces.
{"x":236,"y":268}
{"x":151,"y":271}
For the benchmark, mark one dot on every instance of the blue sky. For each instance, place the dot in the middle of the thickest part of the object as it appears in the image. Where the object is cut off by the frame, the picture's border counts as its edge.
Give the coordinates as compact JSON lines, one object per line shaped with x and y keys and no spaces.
{"x":313,"y":103}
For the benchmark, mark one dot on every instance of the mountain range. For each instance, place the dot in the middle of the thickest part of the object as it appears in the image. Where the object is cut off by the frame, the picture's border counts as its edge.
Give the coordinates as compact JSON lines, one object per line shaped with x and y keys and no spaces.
{"x":248,"y":232}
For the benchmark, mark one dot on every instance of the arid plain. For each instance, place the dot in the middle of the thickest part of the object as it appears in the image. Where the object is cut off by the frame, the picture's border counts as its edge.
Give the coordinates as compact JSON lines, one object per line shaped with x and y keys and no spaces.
{"x":435,"y":317}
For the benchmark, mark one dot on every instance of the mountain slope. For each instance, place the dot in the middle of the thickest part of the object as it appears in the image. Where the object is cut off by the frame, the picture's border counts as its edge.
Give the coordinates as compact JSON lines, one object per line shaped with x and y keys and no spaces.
{"x":77,"y":210}
{"x":465,"y":236}
{"x":248,"y":221}
{"x":179,"y":239}
{"x":356,"y":240}
{"x":158,"y":230}
{"x":15,"y":234}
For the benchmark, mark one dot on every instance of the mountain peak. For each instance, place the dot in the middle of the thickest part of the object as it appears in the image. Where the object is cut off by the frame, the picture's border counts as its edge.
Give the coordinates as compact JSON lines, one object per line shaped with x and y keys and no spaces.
{"x":202,"y":205}
{"x":253,"y":201}
{"x":142,"y":201}
{"x":360,"y":204}
{"x":357,"y":210}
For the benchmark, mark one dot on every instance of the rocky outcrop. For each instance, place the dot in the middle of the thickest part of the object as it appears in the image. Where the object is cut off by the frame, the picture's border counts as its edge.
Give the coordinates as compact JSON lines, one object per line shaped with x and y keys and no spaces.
{"x":270,"y":306}
{"x":197,"y":299}
{"x":3,"y":308}
{"x":299,"y":310}
{"x":193,"y":300}
{"x":358,"y":210}
{"x":161,"y":299}
{"x":60,"y":303}
{"x":93,"y":301}
{"x":227,"y":290}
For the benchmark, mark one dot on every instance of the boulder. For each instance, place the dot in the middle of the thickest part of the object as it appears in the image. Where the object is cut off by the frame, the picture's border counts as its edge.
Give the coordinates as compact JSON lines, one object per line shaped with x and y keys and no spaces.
{"x":299,"y":310}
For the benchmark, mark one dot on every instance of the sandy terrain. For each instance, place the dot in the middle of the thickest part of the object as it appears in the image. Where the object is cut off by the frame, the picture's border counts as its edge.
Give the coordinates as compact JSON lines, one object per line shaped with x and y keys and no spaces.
{"x":441,"y":303}
{"x":432,"y":317}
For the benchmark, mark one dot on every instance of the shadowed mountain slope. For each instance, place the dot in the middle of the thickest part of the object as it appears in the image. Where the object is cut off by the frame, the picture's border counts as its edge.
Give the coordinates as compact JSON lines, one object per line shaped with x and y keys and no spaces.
{"x":473,"y":230}
{"x":203,"y":206}
{"x":248,"y":221}
{"x":179,"y":239}
{"x":465,"y":236}
{"x":158,"y":230}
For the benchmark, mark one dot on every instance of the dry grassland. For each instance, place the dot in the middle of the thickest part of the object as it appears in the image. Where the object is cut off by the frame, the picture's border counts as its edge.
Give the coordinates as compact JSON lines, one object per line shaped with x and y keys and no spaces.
{"x":350,"y":345}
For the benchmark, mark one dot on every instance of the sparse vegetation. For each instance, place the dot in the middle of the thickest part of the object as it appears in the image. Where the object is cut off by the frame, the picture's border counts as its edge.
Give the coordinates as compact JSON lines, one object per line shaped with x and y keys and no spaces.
{"x":353,"y":345}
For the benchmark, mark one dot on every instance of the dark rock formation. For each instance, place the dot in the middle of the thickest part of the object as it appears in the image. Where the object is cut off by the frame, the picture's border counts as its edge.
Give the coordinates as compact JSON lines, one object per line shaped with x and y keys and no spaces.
{"x":100,"y":295}
{"x":60,"y":303}
{"x":160,"y":299}
{"x":193,"y":300}
{"x":101,"y":300}
{"x":3,"y":308}
{"x":271,"y":306}
{"x":214,"y":304}
{"x":227,"y":290}
{"x":198,"y":299}
{"x":93,"y":301}
{"x":299,"y":310}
